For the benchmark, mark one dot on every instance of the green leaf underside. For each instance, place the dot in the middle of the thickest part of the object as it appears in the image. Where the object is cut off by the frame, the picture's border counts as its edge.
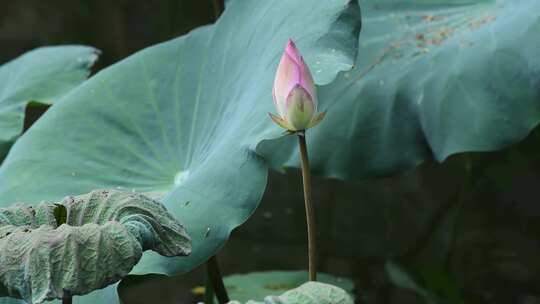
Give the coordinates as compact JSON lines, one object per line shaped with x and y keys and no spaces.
{"x":40,"y":76}
{"x":101,"y":237}
{"x":180,"y":121}
{"x":432,"y":78}
{"x":258,"y":285}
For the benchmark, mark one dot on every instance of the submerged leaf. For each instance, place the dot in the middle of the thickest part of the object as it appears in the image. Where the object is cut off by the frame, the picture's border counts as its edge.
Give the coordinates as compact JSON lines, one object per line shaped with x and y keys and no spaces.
{"x":258,"y":285}
{"x":309,"y":293}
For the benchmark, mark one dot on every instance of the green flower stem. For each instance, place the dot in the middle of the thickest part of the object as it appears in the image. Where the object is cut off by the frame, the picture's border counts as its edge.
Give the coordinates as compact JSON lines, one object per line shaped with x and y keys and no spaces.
{"x":215,"y":282}
{"x":68,"y":300}
{"x":310,"y":212}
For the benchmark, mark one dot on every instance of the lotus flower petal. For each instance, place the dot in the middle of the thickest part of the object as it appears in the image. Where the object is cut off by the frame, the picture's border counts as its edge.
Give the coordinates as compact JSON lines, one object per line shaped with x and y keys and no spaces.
{"x":300,"y":109}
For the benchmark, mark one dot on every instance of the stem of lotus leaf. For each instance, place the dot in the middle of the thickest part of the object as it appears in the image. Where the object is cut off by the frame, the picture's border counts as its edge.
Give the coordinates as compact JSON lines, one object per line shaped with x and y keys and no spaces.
{"x":218,"y":6}
{"x":208,"y":291}
{"x":215,"y":283}
{"x":310,"y":212}
{"x":464,"y":192}
{"x":67,"y":300}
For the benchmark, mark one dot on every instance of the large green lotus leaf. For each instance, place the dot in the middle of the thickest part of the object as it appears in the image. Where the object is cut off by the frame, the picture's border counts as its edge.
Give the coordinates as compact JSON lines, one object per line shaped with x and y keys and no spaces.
{"x":432,"y":78}
{"x":181,"y":120}
{"x":43,"y":75}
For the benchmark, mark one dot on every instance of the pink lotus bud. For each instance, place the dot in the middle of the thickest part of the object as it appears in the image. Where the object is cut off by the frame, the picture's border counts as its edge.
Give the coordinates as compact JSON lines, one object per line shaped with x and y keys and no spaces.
{"x":295,"y":95}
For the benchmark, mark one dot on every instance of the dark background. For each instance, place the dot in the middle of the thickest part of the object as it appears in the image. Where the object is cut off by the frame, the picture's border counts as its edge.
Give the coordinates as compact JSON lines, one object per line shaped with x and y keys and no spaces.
{"x":118,"y":28}
{"x":468,"y":230}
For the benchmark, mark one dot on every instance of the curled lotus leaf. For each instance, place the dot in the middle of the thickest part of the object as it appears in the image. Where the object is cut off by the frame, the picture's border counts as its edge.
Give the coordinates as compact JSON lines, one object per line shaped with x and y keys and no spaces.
{"x":309,"y":293}
{"x":49,"y":263}
{"x":147,"y":219}
{"x":32,"y":216}
{"x":104,"y":236}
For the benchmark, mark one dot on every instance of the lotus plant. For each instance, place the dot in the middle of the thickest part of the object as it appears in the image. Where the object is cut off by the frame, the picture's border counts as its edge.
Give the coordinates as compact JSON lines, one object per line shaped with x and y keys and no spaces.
{"x":295,"y":98}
